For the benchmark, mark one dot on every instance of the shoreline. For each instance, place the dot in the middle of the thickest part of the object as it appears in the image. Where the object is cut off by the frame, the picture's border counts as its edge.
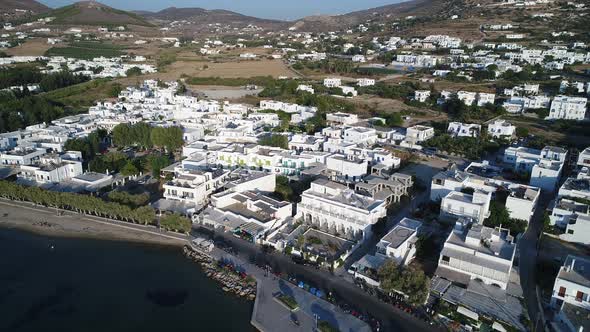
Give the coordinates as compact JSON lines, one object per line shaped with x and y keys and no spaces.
{"x":26,"y":217}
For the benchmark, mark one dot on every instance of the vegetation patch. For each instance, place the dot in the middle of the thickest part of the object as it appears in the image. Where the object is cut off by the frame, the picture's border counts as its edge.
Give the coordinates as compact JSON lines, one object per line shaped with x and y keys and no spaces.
{"x":257,"y":80}
{"x":86,"y":51}
{"x":408,"y":280}
{"x":324,"y":326}
{"x":289,"y":301}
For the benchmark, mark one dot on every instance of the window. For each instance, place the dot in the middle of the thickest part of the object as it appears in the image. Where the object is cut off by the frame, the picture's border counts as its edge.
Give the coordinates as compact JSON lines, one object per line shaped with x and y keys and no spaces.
{"x":570,"y":231}
{"x":446,"y":258}
{"x":561,"y":292}
{"x":579,"y":296}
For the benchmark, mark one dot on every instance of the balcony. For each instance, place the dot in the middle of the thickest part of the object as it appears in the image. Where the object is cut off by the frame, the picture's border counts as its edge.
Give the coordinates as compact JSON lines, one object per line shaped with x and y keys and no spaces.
{"x":339,"y":216}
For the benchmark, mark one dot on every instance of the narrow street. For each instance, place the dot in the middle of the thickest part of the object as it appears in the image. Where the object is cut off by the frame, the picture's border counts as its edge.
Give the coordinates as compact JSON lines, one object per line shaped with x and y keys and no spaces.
{"x":528,"y":248}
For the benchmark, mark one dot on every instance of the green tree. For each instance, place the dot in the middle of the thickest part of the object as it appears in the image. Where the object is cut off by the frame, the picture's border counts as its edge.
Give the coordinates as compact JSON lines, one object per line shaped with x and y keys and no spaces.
{"x":275,"y":140}
{"x":522,"y":132}
{"x":78,"y":203}
{"x":114,"y":90}
{"x":169,"y":138}
{"x":121,"y":134}
{"x":283,"y":188}
{"x":176,"y":222}
{"x":129,"y":169}
{"x":133,"y":71}
{"x":157,"y":163}
{"x":408,"y":280}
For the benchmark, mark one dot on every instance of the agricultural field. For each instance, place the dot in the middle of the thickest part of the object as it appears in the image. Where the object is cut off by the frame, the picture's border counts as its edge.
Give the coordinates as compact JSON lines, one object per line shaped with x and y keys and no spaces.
{"x":367,"y":105}
{"x":32,"y":47}
{"x":87,"y":50}
{"x":242,"y":69}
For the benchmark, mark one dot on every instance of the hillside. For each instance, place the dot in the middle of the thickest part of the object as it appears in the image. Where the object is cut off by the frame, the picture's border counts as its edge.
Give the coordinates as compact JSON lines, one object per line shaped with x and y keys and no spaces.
{"x":16,"y":10}
{"x":379,"y":14}
{"x":202,"y":17}
{"x":94,"y":13}
{"x":7,"y":6}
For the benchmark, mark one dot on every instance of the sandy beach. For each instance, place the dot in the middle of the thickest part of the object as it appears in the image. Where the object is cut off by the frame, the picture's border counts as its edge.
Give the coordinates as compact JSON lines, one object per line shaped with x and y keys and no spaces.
{"x":26,"y":216}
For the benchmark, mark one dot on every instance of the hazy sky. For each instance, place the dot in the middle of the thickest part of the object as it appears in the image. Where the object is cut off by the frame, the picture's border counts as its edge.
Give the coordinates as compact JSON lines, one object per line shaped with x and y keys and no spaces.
{"x":277,"y":9}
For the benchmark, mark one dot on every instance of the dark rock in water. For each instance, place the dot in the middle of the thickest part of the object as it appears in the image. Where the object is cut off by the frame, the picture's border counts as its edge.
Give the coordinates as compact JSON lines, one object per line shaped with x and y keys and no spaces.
{"x":167,"y":297}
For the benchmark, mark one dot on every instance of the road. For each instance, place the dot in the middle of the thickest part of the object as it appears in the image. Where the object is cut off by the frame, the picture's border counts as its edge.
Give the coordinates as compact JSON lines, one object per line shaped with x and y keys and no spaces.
{"x":528,"y":249}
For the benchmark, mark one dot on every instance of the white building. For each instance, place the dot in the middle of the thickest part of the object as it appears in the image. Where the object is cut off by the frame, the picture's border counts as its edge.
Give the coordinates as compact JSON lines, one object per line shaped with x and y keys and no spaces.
{"x":360,"y":135}
{"x":419,"y":133}
{"x":307,"y":88}
{"x":365,"y":82}
{"x":485,"y":98}
{"x":547,"y":172}
{"x":584,"y":158}
{"x":478,"y":253}
{"x":468,"y":98}
{"x":458,"y":129}
{"x":456,"y":205}
{"x":545,"y":166}
{"x":400,"y":243}
{"x":347,"y":168}
{"x":336,"y":208}
{"x":53,"y":168}
{"x":521,"y":200}
{"x":344,"y":119}
{"x":421,"y":95}
{"x":572,"y":284}
{"x":21,"y":156}
{"x":193,"y":185}
{"x":575,"y":188}
{"x":568,"y":108}
{"x":332,"y":82}
{"x":501,"y":129}
{"x":359,"y":58}
{"x":349,"y":91}
{"x":249,"y":214}
{"x":573,"y":218}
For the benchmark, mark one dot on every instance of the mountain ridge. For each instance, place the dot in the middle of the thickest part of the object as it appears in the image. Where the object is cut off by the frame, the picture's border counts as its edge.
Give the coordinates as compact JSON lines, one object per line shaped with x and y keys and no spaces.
{"x":94,"y":13}
{"x":30,"y":5}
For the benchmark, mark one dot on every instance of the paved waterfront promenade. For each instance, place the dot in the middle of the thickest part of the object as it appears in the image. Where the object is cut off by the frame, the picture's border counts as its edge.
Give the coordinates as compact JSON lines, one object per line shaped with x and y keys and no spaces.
{"x":270,"y":315}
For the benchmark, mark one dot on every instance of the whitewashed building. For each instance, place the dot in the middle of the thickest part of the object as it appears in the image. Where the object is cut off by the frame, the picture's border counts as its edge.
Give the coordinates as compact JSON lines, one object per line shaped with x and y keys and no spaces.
{"x":345,"y":119}
{"x":584,"y":158}
{"x":53,"y":168}
{"x":400,"y":243}
{"x":419,"y":133}
{"x":332,"y":82}
{"x":501,"y":129}
{"x":334,"y":207}
{"x":568,"y":108}
{"x":572,"y":284}
{"x":365,"y":82}
{"x":458,"y":129}
{"x":421,"y":95}
{"x":456,"y":205}
{"x":480,"y":253}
